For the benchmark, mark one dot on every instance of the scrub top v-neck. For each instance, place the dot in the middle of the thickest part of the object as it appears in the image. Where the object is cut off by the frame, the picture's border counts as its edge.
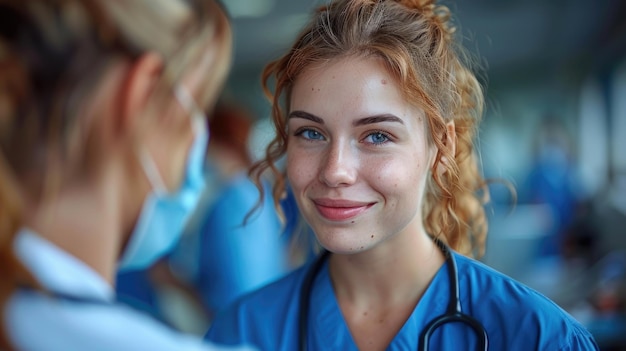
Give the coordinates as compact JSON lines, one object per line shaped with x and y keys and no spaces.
{"x":515,"y":317}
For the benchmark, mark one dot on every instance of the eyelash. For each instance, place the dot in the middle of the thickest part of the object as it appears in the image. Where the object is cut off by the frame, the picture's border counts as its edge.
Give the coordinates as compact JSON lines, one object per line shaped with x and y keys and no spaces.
{"x":379,"y":132}
{"x":301,"y":133}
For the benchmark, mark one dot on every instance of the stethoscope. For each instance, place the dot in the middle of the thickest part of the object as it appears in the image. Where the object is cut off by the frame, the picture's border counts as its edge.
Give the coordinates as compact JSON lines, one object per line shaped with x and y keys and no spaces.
{"x":453,"y":311}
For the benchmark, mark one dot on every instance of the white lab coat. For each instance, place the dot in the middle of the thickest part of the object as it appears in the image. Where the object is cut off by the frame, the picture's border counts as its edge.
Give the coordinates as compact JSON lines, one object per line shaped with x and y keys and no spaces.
{"x":39,"y":322}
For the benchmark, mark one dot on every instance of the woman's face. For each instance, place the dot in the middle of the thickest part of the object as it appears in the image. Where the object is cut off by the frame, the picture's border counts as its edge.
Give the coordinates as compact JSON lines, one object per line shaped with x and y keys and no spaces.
{"x":357,"y":154}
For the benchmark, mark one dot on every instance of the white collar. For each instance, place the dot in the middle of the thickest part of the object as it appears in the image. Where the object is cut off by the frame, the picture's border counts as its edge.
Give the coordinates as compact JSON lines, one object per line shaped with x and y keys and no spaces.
{"x":57,"y":270}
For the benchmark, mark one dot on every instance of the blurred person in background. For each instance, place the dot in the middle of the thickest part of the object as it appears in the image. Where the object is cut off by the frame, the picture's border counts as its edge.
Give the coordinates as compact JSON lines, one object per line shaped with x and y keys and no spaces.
{"x":236,"y":253}
{"x":101,"y":146}
{"x":552,"y":180}
{"x":376,"y":110}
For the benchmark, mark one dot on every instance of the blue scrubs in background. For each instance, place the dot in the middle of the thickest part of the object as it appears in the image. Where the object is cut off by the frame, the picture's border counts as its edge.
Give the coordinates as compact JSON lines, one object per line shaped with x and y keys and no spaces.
{"x":236,"y":258}
{"x":219,"y":256}
{"x":515,"y":317}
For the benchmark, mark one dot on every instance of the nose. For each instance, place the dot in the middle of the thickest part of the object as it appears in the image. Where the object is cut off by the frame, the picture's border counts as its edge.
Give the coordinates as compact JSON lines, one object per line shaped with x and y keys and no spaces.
{"x":340,"y":165}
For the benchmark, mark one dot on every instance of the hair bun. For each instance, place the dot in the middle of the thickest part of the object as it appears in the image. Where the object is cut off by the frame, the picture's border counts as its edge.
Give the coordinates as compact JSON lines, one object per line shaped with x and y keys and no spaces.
{"x":439,"y":14}
{"x":417,"y":3}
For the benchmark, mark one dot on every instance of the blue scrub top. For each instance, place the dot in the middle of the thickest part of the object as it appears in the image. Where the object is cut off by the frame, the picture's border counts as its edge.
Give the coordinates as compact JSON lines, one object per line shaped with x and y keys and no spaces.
{"x":514,"y":316}
{"x":236,"y":258}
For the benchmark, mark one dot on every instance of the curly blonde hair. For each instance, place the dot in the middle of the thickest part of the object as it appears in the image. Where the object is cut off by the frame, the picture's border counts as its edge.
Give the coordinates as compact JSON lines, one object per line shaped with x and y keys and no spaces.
{"x":417,"y":43}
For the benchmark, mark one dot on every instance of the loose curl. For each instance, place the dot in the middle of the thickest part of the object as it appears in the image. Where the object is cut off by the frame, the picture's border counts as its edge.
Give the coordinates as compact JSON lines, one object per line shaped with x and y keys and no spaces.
{"x":53,"y":53}
{"x":416,"y":40}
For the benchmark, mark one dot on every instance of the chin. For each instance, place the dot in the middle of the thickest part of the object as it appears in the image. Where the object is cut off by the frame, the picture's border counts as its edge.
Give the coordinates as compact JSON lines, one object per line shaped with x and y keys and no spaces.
{"x":339,"y":243}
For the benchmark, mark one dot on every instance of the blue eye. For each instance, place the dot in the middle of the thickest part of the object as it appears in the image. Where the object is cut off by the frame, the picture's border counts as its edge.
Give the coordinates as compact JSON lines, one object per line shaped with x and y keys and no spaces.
{"x":377,"y":138}
{"x":310,"y":134}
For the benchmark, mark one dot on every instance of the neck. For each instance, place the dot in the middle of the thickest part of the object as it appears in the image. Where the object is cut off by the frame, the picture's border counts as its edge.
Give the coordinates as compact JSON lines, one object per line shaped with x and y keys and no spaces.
{"x":397,"y":271}
{"x":86,"y":220}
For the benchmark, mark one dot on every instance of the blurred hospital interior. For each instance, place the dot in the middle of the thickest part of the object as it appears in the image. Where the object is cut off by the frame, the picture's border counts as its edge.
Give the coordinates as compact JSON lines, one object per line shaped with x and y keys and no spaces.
{"x":554,"y":73}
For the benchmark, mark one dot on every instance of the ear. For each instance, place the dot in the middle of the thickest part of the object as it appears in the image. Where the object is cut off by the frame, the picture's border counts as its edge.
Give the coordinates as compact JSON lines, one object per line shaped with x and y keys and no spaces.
{"x":140,"y":83}
{"x":449,"y":142}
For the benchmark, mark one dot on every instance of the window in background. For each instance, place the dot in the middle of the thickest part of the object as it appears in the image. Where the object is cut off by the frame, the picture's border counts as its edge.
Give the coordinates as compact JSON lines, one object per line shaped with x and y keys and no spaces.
{"x":618,"y":125}
{"x":593,"y":138}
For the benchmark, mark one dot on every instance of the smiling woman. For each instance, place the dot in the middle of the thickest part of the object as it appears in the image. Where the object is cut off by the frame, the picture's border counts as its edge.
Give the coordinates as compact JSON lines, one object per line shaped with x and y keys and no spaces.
{"x":358,"y":170}
{"x":376,"y":113}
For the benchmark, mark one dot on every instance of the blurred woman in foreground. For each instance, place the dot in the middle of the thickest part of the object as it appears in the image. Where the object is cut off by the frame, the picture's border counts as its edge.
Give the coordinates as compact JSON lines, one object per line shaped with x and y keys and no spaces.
{"x":101,"y":149}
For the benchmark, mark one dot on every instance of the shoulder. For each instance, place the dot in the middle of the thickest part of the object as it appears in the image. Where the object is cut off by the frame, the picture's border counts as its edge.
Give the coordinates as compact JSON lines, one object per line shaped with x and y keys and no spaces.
{"x":262,"y":316}
{"x":238,"y":189}
{"x":516,"y":312}
{"x":496,"y":289}
{"x":241,"y":194}
{"x":71,"y":325}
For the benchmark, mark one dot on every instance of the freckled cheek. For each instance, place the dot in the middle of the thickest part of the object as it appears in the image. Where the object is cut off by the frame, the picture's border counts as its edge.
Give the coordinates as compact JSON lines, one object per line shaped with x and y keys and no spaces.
{"x":301,"y":169}
{"x":396,"y":178}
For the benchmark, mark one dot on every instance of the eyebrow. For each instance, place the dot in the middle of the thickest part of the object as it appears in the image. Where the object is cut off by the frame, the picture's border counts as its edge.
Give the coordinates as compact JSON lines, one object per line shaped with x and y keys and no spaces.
{"x":305,"y":115}
{"x":386,"y":117}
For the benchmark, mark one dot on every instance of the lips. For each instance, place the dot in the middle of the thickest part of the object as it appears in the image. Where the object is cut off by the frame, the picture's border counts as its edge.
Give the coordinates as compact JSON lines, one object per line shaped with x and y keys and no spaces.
{"x":340,"y":210}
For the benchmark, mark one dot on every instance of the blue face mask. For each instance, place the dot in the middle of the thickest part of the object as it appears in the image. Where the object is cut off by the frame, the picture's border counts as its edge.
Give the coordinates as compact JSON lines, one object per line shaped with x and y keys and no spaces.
{"x":165,"y":214}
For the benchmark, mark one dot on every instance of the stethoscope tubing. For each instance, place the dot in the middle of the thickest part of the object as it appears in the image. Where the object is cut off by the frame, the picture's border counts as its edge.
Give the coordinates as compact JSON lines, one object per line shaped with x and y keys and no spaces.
{"x":453,"y":313}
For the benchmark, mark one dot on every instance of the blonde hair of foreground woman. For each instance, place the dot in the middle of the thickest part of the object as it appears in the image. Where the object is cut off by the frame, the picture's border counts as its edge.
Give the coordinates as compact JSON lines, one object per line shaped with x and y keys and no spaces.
{"x":53,"y":55}
{"x":416,"y":41}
